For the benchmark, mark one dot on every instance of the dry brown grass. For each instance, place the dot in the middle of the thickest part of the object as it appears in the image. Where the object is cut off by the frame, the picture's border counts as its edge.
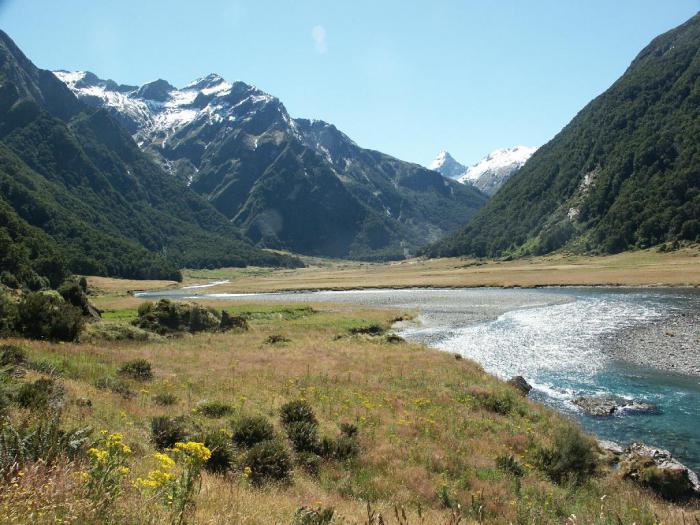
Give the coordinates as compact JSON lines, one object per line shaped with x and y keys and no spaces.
{"x":421,"y":427}
{"x":640,"y":268}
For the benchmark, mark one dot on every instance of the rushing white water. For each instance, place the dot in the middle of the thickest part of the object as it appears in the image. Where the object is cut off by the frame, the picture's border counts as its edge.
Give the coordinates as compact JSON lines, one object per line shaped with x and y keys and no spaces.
{"x":560,"y":337}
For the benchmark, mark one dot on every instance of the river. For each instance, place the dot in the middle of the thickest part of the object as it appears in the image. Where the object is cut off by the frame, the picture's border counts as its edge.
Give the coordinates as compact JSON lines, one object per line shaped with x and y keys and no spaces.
{"x":559,"y":339}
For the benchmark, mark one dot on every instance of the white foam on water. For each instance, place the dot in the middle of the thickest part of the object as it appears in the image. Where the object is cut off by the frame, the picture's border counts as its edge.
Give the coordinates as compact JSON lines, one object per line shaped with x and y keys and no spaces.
{"x":563,"y":339}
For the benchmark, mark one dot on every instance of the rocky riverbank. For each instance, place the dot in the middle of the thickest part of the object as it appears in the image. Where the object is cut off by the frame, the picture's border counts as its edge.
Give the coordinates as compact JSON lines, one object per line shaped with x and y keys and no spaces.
{"x":672,"y":344}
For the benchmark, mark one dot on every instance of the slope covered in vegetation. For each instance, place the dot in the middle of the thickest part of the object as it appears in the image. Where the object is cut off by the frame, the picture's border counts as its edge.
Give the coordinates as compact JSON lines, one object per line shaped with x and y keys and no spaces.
{"x":309,"y":416}
{"x":623,"y":174}
{"x":74,"y":173}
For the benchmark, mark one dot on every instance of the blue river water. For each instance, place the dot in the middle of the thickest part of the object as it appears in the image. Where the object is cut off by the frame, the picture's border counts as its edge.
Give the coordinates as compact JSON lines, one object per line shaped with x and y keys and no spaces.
{"x":558,"y":339}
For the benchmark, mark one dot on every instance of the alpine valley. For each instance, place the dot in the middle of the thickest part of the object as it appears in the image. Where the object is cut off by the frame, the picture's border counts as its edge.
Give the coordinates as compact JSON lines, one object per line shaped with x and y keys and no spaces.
{"x":294,"y":184}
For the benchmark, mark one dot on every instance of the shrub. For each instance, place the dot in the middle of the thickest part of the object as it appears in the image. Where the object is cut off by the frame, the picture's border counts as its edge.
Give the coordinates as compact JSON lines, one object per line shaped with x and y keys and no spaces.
{"x":340,"y":449}
{"x":349,"y":429}
{"x":115,"y":385}
{"x":106,"y":331}
{"x":313,"y":516}
{"x":74,"y":294}
{"x":670,"y":484}
{"x":232,"y":322}
{"x":373,"y":329}
{"x":309,"y":462}
{"x":139,"y":369}
{"x":268,"y":461}
{"x":570,"y":458}
{"x":394,"y":339}
{"x":12,"y":355}
{"x":42,"y":441}
{"x":42,"y":394}
{"x":214,"y":409}
{"x":164,"y":399}
{"x":167,"y":317}
{"x":166,"y":431}
{"x":46,"y":315}
{"x":221,"y":459}
{"x":303,"y":436}
{"x":497,"y":402}
{"x":8,"y":314}
{"x":251,"y":430}
{"x":277,"y":339}
{"x":508,"y":463}
{"x":298,"y":411}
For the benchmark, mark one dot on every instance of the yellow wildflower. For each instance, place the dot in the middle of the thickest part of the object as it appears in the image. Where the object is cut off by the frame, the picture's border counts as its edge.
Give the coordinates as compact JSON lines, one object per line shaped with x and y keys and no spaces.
{"x":193,"y":450}
{"x":124,"y":471}
{"x":166,"y":462}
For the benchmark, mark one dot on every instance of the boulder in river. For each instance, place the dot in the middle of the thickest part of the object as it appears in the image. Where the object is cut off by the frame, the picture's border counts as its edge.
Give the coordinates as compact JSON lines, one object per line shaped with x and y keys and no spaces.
{"x":607,"y":405}
{"x":520,"y":384}
{"x":659,"y":471}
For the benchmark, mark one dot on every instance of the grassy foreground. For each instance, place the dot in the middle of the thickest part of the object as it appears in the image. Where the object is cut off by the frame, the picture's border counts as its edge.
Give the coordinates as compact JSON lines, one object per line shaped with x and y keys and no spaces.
{"x":431,"y":428}
{"x":639,"y":268}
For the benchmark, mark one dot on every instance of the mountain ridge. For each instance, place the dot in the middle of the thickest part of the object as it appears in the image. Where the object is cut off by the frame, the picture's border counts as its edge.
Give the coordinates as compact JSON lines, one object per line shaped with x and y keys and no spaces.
{"x":230,"y":141}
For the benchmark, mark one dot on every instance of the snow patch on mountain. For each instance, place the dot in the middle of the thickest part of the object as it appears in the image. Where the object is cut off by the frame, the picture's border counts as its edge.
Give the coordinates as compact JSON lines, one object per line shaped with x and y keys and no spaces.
{"x":498,"y":161}
{"x":157,"y":111}
{"x":446,"y":165}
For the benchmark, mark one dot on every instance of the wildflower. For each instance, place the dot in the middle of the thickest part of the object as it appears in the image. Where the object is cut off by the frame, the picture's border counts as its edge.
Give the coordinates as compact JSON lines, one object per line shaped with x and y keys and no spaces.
{"x":247,"y":471}
{"x":124,"y":471}
{"x":193,"y":450}
{"x":165,"y":461}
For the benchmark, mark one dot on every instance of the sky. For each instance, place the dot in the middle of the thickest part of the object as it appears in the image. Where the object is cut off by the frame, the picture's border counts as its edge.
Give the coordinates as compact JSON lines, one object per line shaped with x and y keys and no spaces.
{"x":405,"y":77}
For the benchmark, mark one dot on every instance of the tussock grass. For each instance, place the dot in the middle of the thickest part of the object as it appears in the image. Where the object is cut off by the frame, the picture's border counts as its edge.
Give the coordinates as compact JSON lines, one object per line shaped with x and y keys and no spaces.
{"x":432,"y":430}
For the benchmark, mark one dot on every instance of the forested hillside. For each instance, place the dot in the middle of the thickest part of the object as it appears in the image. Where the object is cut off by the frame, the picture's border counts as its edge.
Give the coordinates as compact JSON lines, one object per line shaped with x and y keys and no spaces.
{"x":625,"y":173}
{"x":75,"y":174}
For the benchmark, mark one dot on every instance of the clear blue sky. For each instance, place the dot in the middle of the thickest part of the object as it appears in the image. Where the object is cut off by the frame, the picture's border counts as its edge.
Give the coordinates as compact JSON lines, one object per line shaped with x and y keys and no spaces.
{"x":405,"y":77}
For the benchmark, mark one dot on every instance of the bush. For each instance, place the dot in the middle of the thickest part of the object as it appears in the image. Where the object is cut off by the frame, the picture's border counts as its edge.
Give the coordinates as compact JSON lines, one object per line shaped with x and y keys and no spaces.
{"x":12,"y":355}
{"x":221,"y":459}
{"x":339,"y":449}
{"x":166,"y":431}
{"x":497,"y":402}
{"x":251,"y":430}
{"x":304,"y":436}
{"x":670,"y":484}
{"x":570,"y":459}
{"x":165,"y":399}
{"x":214,"y":409}
{"x":232,"y":322}
{"x":43,"y":441}
{"x":117,"y":386}
{"x":508,"y":463}
{"x":373,"y":329}
{"x":42,"y":394}
{"x":349,"y":429}
{"x":313,"y":516}
{"x":167,"y":317}
{"x":46,"y":315}
{"x":309,"y":462}
{"x":138,"y":369}
{"x":74,"y":294}
{"x":298,"y":411}
{"x":8,"y":314}
{"x":277,"y":339}
{"x":268,"y":461}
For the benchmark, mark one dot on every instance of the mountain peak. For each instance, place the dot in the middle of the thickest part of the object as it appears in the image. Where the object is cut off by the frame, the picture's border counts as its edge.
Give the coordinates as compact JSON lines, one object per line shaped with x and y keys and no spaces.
{"x":494,"y":169}
{"x":446,"y":165}
{"x":158,"y":90}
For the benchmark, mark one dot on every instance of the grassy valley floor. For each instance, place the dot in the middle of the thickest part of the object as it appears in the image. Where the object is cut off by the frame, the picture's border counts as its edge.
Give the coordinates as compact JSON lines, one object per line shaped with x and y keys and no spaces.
{"x":640,"y":268}
{"x":435,"y":433}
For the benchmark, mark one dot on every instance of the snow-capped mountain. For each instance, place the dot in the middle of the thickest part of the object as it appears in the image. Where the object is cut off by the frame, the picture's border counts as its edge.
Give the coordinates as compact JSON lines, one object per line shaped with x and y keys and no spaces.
{"x":489,"y":174}
{"x":446,"y":165}
{"x":492,"y":171}
{"x":287,"y":183}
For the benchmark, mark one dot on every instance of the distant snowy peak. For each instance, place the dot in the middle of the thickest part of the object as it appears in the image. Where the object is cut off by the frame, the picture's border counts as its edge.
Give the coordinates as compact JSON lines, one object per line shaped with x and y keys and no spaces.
{"x":156,"y":110}
{"x":500,"y":159}
{"x":446,"y":165}
{"x":492,"y":171}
